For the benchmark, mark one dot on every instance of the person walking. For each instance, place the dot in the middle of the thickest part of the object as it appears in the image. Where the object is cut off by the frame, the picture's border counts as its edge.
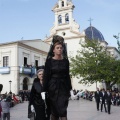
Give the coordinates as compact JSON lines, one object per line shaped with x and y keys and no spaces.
{"x":36,"y":98}
{"x":109,"y":98}
{"x":57,"y":80}
{"x":97,"y":98}
{"x":103,"y":98}
{"x":5,"y":104}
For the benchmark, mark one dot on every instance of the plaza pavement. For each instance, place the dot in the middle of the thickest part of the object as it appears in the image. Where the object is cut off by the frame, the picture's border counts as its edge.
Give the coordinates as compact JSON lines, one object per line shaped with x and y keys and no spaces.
{"x":77,"y":110}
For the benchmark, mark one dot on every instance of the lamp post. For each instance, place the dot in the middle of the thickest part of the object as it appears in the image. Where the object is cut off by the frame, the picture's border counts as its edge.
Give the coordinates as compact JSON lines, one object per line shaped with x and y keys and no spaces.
{"x":117,"y":38}
{"x":10,"y":85}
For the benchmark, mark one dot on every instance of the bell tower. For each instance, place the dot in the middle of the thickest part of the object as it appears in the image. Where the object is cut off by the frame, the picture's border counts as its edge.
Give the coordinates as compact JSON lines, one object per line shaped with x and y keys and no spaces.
{"x":63,"y":12}
{"x":64,"y":21}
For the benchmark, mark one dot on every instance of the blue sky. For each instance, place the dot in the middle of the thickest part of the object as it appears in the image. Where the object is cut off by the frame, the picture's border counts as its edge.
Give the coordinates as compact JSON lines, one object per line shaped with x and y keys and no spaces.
{"x":33,"y":19}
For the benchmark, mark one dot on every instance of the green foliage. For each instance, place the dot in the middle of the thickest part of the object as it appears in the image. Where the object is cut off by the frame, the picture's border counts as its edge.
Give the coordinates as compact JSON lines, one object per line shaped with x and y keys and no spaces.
{"x":94,"y":64}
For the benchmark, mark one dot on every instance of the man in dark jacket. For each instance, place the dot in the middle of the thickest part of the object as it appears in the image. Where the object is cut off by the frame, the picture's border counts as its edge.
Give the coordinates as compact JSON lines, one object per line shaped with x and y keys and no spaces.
{"x":103,"y":98}
{"x":97,"y":98}
{"x":108,"y":98}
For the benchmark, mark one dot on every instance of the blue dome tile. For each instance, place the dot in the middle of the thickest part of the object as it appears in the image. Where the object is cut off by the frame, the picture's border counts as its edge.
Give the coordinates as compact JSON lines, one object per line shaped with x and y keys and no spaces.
{"x":93,"y":34}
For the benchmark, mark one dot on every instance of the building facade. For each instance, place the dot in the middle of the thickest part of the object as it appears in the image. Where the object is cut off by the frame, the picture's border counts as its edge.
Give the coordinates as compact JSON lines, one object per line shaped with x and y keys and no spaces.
{"x":18,"y":62}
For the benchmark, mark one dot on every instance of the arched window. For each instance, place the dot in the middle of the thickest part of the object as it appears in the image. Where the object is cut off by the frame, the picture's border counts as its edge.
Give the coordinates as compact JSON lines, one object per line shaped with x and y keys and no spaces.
{"x":60,"y":19}
{"x":62,"y":3}
{"x":67,"y":18}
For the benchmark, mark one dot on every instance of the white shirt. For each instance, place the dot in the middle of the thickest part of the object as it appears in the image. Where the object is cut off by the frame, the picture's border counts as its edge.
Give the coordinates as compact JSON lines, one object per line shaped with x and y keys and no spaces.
{"x":108,"y":93}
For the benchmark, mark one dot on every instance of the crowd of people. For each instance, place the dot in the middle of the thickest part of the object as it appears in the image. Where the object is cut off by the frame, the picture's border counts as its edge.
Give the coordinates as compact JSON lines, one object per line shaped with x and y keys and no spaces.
{"x":24,"y":95}
{"x":9,"y":100}
{"x":90,"y":95}
{"x":104,"y":98}
{"x":77,"y":94}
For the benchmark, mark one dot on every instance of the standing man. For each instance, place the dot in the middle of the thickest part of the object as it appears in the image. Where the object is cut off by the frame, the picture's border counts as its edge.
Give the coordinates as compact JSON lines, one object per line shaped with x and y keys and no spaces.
{"x":103,"y":97}
{"x":108,"y":98}
{"x":97,"y":98}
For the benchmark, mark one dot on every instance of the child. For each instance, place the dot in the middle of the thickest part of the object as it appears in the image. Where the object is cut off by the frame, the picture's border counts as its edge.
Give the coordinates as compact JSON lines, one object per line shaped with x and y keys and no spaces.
{"x":5,"y":103}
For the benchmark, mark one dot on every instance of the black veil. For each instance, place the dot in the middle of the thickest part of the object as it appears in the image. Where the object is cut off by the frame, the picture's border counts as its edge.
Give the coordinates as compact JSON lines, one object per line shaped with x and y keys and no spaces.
{"x":57,"y":39}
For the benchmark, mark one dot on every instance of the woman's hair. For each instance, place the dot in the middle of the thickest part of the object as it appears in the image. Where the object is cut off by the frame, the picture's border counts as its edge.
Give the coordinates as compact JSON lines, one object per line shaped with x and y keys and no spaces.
{"x":40,"y":68}
{"x":56,"y":41}
{"x":40,"y":71}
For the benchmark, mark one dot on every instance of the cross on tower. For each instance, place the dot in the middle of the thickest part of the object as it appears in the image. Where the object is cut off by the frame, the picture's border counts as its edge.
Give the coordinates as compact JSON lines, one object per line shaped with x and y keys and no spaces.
{"x":90,"y":21}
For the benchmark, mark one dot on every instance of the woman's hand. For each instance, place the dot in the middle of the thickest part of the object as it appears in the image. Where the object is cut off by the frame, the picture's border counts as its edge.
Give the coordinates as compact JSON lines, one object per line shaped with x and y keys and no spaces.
{"x":43,"y":95}
{"x":72,"y":95}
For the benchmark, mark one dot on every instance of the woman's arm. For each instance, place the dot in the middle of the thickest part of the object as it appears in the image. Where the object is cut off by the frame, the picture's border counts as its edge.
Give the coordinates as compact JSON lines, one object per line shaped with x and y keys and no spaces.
{"x":46,"y":75}
{"x":68,"y":76}
{"x":32,"y":93}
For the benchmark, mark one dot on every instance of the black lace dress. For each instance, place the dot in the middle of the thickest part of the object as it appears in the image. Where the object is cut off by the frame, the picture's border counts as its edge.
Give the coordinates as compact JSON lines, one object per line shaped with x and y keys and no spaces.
{"x":58,"y":85}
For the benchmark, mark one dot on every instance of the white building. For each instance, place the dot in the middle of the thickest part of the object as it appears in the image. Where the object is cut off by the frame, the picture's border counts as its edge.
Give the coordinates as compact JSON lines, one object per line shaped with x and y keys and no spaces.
{"x":66,"y":27}
{"x":18,"y":61}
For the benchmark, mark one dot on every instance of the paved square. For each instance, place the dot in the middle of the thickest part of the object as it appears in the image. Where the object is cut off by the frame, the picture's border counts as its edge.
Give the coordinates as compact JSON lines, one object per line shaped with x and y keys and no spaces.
{"x":77,"y":110}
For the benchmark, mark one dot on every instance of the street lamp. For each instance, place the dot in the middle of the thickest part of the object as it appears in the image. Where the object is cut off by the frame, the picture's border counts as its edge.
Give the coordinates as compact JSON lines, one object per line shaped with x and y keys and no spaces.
{"x":117,"y":38}
{"x":10,"y":85}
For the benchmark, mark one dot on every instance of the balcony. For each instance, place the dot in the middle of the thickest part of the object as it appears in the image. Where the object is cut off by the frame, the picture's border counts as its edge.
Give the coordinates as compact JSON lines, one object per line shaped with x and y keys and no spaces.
{"x":31,"y":71}
{"x":4,"y":70}
{"x":25,"y":70}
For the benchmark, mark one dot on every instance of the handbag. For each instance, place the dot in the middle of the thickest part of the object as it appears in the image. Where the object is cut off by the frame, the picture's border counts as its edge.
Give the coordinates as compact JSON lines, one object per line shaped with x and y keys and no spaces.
{"x":30,"y":113}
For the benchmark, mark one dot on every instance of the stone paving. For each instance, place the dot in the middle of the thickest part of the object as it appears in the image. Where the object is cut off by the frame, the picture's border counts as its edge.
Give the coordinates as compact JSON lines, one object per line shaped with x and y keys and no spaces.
{"x":77,"y":110}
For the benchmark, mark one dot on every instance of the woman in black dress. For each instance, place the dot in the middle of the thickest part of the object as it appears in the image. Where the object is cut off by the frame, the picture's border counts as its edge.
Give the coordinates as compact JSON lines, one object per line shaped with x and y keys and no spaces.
{"x":57,"y":79}
{"x":36,"y":98}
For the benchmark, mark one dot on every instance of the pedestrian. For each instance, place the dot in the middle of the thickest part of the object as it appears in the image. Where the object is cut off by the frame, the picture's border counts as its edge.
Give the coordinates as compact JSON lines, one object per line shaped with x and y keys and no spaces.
{"x":57,"y":80}
{"x":15,"y":99}
{"x":109,"y":98}
{"x":5,"y":104}
{"x":36,"y":98}
{"x":23,"y":95}
{"x":103,"y":98}
{"x":97,"y":98}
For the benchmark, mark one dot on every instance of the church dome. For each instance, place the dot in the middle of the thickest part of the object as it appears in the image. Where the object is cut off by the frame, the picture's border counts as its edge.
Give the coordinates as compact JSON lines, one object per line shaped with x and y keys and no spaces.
{"x":93,"y":34}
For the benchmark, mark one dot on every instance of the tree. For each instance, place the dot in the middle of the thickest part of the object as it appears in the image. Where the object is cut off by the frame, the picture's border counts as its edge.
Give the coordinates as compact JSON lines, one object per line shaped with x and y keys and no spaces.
{"x":118,"y":42}
{"x":94,"y":64}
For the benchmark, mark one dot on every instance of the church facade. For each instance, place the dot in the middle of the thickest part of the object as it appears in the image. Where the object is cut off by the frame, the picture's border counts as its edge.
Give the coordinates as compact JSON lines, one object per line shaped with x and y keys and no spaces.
{"x":65,"y":26}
